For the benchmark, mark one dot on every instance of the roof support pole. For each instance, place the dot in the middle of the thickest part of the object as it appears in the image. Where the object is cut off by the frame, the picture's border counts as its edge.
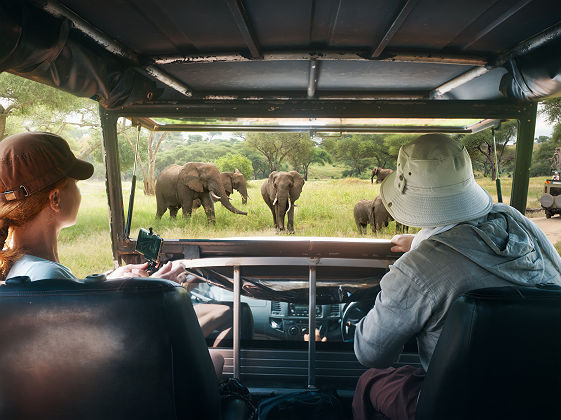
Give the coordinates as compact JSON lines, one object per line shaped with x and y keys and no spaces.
{"x":244,"y":25}
{"x":394,"y":27}
{"x":113,"y":171}
{"x":237,"y":320}
{"x":524,"y":147}
{"x":312,"y":329}
{"x":313,"y":78}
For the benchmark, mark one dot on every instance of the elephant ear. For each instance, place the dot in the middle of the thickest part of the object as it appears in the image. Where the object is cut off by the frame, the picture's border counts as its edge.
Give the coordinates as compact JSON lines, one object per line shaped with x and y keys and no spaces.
{"x":189,"y":176}
{"x":297,"y":184}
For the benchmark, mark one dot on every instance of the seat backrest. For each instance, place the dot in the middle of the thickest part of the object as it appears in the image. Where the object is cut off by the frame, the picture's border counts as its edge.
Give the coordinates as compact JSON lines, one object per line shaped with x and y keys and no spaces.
{"x":498,"y":357}
{"x":106,"y":350}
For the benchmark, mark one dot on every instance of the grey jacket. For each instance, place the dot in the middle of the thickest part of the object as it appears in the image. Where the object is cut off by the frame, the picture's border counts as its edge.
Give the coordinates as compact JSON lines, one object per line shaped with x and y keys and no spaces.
{"x":502,"y":248}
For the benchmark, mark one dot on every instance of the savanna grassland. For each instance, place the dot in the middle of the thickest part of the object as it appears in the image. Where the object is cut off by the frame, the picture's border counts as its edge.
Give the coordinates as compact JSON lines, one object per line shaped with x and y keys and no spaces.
{"x":325,"y":208}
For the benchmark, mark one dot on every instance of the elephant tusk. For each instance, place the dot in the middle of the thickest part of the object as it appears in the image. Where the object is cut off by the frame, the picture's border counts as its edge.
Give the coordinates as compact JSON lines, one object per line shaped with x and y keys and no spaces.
{"x":276,"y":199}
{"x":216,"y":197}
{"x":289,"y":204}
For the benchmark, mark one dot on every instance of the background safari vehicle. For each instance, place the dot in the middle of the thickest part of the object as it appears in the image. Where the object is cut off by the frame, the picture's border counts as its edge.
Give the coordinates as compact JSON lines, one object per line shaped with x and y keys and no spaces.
{"x":551,"y":198}
{"x":215,"y":65}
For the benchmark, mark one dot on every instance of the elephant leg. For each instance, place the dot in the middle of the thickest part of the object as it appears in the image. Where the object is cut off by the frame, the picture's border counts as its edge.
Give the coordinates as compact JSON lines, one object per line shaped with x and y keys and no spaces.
{"x":279,"y":221}
{"x":274,"y":216}
{"x":173,"y":211}
{"x":187,"y":206}
{"x":186,"y":197}
{"x":209,"y":208}
{"x":359,"y":227}
{"x":160,"y":209}
{"x":290,"y":222}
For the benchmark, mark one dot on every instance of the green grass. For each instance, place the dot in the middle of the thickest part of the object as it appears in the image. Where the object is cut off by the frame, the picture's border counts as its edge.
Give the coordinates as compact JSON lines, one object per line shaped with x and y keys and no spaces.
{"x":325,"y":208}
{"x":325,"y":171}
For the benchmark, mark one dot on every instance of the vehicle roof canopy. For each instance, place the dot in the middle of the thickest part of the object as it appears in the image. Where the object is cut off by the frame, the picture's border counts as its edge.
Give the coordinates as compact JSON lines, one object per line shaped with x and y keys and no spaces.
{"x":253,"y":58}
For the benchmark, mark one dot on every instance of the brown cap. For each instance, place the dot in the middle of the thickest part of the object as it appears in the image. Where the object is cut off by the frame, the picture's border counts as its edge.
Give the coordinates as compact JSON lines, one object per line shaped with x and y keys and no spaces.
{"x":31,"y":162}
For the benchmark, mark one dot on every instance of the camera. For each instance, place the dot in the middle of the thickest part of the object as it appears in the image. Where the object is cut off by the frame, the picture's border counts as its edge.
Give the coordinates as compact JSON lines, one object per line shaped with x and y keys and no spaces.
{"x":149,"y":245}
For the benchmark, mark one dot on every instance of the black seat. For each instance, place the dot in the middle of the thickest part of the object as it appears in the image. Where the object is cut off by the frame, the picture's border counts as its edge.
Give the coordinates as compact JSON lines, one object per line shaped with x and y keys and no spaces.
{"x":498,"y":357}
{"x":125,"y":349}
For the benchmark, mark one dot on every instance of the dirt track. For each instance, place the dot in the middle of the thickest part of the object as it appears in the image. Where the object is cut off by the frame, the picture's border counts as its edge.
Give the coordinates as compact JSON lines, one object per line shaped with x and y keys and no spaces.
{"x":551,"y":227}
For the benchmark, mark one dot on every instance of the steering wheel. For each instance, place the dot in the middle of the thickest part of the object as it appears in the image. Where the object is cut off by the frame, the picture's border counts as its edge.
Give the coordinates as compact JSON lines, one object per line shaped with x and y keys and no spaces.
{"x":352,"y":314}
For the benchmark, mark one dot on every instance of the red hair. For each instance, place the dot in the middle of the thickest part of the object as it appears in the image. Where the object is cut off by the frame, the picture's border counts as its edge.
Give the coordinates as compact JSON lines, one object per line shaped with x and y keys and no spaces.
{"x":18,"y":213}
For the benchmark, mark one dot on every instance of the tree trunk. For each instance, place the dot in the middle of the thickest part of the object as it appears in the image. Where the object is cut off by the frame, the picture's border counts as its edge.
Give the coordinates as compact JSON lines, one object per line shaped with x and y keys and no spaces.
{"x":3,"y":117}
{"x":2,"y":124}
{"x":89,"y":149}
{"x":149,"y":174}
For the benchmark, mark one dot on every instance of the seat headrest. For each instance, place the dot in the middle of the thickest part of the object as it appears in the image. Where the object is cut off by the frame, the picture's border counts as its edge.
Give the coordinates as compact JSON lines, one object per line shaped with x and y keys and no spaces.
{"x":128,"y":348}
{"x":497,"y":357}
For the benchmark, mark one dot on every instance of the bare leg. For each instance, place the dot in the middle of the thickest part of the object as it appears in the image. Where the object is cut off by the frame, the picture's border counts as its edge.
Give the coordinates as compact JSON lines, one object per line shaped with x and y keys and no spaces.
{"x":213,"y":316}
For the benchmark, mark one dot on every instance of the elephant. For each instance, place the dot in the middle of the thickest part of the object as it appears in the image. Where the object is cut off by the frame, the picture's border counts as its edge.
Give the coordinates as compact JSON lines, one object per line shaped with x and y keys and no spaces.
{"x":380,"y":174}
{"x":234,"y":181}
{"x":364,"y":214}
{"x":177,"y":186}
{"x":230,"y":181}
{"x":280,"y":191}
{"x":382,"y":217}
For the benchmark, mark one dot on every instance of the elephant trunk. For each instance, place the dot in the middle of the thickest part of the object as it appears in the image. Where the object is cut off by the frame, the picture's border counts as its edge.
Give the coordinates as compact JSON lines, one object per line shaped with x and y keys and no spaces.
{"x":283,"y":205}
{"x":243,"y":192}
{"x":226,"y":203}
{"x":217,"y":191}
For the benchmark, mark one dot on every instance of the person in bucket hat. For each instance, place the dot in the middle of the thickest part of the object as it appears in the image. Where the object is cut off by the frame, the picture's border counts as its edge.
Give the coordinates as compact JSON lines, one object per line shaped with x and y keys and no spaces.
{"x":38,"y":198}
{"x":466,"y":242}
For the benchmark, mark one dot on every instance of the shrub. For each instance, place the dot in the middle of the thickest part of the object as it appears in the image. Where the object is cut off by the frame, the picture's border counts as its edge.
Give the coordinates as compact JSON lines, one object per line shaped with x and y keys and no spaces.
{"x":231,"y":162}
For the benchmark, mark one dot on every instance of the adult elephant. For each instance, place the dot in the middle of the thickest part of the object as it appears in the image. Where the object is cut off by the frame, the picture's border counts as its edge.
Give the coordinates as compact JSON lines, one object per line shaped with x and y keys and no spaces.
{"x":230,"y":181}
{"x":380,"y":174}
{"x":177,"y":186}
{"x":234,"y":181}
{"x":280,"y":191}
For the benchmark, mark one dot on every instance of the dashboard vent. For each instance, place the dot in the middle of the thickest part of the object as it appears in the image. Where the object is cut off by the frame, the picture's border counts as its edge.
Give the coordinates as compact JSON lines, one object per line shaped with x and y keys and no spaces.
{"x":334,"y":311}
{"x":275,"y":307}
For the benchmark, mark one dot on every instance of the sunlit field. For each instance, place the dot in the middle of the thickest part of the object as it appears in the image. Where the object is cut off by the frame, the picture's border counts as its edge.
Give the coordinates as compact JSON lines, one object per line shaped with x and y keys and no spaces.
{"x":325,"y":208}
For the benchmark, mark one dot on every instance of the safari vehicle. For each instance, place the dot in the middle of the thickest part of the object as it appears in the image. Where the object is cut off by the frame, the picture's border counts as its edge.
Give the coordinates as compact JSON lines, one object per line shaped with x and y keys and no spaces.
{"x":343,"y":67}
{"x":551,"y":198}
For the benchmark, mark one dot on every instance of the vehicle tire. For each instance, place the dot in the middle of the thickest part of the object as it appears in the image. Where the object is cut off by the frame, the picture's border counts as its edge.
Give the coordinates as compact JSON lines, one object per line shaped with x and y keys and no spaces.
{"x":546,"y":200}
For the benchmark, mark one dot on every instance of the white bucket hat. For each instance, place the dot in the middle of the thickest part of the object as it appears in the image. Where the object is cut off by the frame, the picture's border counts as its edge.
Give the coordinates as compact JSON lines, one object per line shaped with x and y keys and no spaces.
{"x":433,"y":184}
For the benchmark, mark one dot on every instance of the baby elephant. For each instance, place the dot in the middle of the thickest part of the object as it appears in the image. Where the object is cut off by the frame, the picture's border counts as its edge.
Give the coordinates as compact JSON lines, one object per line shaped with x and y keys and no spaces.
{"x":382,"y":217}
{"x":375,"y":213}
{"x":364,"y":214}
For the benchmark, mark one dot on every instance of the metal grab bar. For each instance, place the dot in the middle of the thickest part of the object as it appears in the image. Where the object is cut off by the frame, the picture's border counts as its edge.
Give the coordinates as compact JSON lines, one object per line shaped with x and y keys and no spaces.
{"x":238,"y":262}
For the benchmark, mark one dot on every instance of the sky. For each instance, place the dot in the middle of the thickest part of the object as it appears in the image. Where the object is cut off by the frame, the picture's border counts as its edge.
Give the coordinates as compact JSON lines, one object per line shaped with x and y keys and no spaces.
{"x":543,"y":128}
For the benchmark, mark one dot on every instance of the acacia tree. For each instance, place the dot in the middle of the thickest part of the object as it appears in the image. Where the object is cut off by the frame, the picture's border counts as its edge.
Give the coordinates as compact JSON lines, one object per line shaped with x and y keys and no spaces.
{"x":481,"y":145}
{"x":274,"y":146}
{"x":306,"y":153}
{"x":28,"y":105}
{"x":355,"y":151}
{"x":552,"y":110}
{"x":151,"y":146}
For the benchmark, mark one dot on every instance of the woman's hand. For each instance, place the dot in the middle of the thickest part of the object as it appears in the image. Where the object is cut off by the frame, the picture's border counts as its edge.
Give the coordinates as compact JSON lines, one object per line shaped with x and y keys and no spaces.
{"x":318,"y":337}
{"x":402,"y":243}
{"x":172,"y":270}
{"x":129,"y":270}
